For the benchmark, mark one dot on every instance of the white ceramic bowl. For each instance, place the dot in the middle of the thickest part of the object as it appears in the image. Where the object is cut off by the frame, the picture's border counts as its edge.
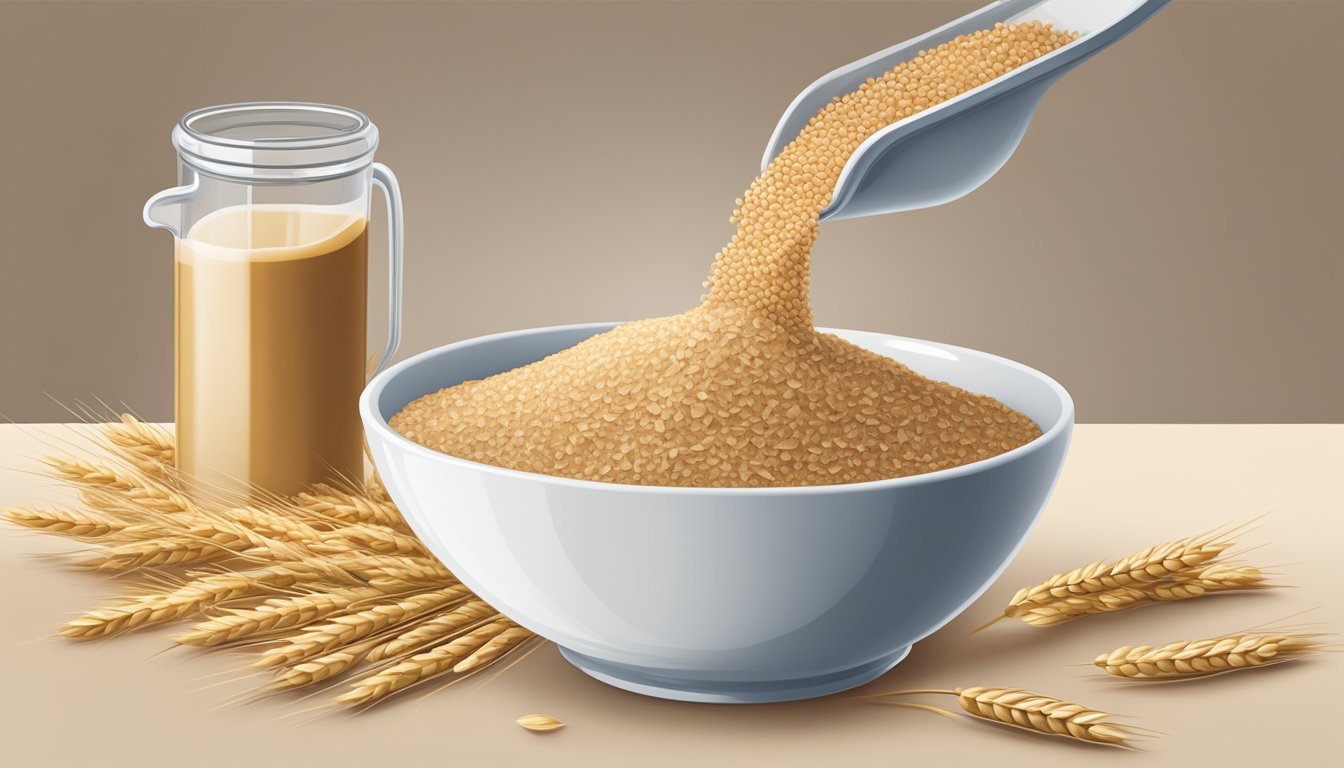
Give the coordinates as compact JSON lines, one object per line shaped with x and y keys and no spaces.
{"x":723,"y":594}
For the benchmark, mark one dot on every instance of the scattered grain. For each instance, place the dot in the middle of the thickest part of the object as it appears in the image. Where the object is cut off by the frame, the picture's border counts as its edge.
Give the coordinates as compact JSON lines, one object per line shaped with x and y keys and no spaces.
{"x":539,"y":723}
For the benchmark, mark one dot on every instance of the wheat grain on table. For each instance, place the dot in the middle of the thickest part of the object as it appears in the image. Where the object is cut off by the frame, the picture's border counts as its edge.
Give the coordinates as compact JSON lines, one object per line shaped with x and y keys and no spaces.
{"x":1123,"y":488}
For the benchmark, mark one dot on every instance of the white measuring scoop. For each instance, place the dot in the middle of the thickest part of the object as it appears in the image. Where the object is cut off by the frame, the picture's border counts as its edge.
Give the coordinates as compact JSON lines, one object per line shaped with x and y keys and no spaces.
{"x":938,"y":155}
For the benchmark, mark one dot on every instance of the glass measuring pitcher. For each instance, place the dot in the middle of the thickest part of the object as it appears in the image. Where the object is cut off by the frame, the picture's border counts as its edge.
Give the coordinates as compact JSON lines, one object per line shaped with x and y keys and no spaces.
{"x":270,"y":221}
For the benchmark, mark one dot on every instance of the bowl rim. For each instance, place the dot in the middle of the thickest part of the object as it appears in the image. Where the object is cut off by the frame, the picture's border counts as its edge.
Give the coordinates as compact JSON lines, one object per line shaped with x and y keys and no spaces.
{"x":373,"y":419}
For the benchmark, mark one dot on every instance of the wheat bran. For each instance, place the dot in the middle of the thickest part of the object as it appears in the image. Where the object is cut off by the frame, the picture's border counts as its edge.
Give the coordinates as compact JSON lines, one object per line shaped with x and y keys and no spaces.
{"x":741,"y":391}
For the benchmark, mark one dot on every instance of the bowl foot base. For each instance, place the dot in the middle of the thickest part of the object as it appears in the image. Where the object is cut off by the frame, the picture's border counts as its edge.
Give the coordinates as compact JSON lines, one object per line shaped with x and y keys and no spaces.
{"x":657,"y":682}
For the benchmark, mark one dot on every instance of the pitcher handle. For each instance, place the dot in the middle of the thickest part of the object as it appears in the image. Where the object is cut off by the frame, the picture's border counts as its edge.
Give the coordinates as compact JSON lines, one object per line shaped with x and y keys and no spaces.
{"x":384,"y":179}
{"x":165,"y":210}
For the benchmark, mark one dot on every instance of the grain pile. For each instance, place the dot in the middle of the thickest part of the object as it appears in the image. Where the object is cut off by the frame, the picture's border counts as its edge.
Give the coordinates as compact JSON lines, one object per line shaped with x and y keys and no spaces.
{"x":741,"y":391}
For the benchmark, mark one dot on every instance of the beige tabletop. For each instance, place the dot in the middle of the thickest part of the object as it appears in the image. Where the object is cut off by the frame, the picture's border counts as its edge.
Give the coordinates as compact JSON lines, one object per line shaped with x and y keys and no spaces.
{"x":126,"y":702}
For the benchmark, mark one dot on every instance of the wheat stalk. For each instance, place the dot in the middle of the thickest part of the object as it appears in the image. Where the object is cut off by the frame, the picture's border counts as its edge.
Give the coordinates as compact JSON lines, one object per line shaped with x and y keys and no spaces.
{"x":350,"y":508}
{"x":317,"y":640}
{"x":177,"y":542}
{"x":371,"y":538}
{"x":1199,"y":658}
{"x":343,"y":537}
{"x":1215,"y":578}
{"x":273,"y":524}
{"x":322,"y":668}
{"x":275,"y":615}
{"x":104,"y":486}
{"x":376,"y":491}
{"x":75,"y":523}
{"x":396,"y":573}
{"x":1041,"y":714}
{"x":1178,"y":570}
{"x":341,"y":578}
{"x":146,"y":447}
{"x":281,"y":522}
{"x":1210,"y":581}
{"x":1027,"y":711}
{"x":431,"y":663}
{"x":282,"y":537}
{"x":189,"y":599}
{"x":433,"y":631}
{"x":1143,"y":568}
{"x":162,"y":552}
{"x":494,"y":649}
{"x":86,"y":473}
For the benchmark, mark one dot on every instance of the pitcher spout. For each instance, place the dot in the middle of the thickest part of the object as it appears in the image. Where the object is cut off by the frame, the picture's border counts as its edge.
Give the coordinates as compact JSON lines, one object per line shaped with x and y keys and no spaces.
{"x":167,"y":209}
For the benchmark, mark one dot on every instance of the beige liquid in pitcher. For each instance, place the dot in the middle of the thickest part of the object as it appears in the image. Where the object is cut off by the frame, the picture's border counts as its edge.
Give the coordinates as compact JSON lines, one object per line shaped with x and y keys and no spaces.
{"x":271,"y":348}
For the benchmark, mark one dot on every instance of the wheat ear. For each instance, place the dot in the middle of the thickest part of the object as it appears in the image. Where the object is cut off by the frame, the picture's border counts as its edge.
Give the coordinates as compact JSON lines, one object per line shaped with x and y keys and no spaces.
{"x":109,"y":488}
{"x":187,"y":600}
{"x":1199,"y":658}
{"x":495,"y":649}
{"x":376,"y":490}
{"x":393,"y":572}
{"x":177,"y":540}
{"x":275,"y":615}
{"x":370,"y":538}
{"x":322,"y":668}
{"x":1153,"y":565}
{"x":162,"y":552}
{"x":280,"y":537}
{"x":323,"y":537}
{"x":1215,"y":578}
{"x":86,"y":473}
{"x":433,"y":631}
{"x":1177,"y":570}
{"x":75,"y":523}
{"x":341,"y":505}
{"x":146,"y":447}
{"x":422,"y":666}
{"x":1210,"y":581}
{"x":1028,"y":711}
{"x":321,"y":639}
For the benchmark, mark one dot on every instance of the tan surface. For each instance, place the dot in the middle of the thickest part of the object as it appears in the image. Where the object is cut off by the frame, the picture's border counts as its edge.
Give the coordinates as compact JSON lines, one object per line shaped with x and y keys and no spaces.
{"x":1172,"y":254}
{"x":117,"y":703}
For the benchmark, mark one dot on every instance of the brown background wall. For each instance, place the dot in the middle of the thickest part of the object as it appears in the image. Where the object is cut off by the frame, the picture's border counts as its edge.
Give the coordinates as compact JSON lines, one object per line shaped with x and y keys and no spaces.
{"x":1164,"y":242}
